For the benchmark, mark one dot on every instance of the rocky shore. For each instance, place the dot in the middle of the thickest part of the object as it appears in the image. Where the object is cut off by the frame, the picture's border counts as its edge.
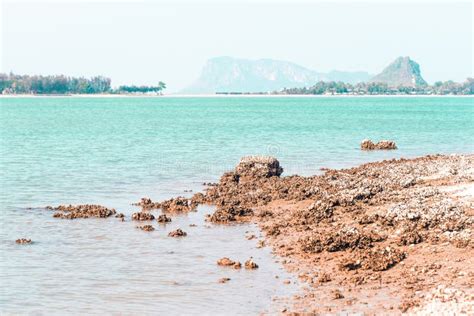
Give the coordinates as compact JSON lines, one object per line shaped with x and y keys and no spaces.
{"x":387,"y":237}
{"x":376,"y":238}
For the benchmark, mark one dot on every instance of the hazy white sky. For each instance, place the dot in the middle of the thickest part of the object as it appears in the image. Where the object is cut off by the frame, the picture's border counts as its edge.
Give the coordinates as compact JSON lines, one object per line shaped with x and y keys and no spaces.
{"x":142,"y":42}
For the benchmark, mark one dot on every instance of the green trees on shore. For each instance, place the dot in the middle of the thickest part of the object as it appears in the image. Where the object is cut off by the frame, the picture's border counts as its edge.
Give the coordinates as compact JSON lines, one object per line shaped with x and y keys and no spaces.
{"x":24,"y":84}
{"x":60,"y":84}
{"x":374,"y":88}
{"x":141,"y":89}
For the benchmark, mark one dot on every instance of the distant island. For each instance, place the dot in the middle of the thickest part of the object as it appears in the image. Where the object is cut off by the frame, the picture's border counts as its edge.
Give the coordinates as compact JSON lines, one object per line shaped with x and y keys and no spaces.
{"x":401,"y":77}
{"x":62,"y":85}
{"x":228,"y":74}
{"x":231,"y":76}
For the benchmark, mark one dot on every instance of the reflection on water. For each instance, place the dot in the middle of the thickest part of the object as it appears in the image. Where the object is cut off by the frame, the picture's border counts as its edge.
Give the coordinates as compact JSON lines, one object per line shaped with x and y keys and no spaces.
{"x":104,"y":265}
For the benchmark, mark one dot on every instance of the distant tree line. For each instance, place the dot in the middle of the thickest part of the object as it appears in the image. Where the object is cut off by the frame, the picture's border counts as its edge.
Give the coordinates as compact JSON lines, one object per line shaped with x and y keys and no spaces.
{"x":374,"y":88}
{"x":60,"y":84}
{"x":141,"y":89}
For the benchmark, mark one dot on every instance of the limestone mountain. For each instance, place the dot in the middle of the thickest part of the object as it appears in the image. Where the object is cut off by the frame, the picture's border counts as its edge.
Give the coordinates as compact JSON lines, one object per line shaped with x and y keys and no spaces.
{"x":401,"y":72}
{"x":227,"y":74}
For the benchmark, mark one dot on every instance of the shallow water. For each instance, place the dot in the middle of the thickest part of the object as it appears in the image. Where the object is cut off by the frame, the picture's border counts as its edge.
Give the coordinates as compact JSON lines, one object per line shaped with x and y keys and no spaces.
{"x":115,"y":151}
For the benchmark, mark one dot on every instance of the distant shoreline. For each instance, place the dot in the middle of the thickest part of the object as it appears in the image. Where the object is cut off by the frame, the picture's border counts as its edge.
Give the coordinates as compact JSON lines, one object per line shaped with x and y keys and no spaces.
{"x":14,"y":96}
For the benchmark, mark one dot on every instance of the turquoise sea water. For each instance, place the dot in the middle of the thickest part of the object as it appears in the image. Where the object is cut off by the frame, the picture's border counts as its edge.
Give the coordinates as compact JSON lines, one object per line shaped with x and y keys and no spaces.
{"x":113,"y":151}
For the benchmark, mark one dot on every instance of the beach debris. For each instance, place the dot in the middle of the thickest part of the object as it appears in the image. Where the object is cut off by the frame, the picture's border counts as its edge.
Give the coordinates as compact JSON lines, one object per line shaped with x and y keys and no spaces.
{"x":23,"y":241}
{"x":163,"y":219}
{"x":81,"y":211}
{"x":250,"y":264}
{"x":367,"y":144}
{"x":177,"y":233}
{"x":147,"y":228}
{"x":147,"y":204}
{"x":142,"y":216}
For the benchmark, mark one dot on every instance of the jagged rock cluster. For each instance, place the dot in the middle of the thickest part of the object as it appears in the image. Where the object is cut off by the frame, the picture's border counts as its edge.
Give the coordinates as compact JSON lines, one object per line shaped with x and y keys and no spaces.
{"x":81,"y":211}
{"x":367,"y":144}
{"x":371,"y":212}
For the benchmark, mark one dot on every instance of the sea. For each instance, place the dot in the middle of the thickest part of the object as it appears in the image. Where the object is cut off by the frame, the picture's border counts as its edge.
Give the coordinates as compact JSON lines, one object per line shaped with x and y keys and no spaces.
{"x":114,"y":151}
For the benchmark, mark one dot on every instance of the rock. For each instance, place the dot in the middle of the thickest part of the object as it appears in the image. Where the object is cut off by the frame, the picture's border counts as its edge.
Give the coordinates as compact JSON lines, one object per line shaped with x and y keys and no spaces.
{"x":147,"y":204}
{"x":179,"y":204}
{"x":147,"y":228}
{"x":324,"y":278}
{"x":386,"y":145}
{"x":23,"y":241}
{"x":381,"y":259}
{"x":258,"y":166}
{"x":198,"y":198}
{"x":367,"y":144}
{"x":82,"y":211}
{"x":224,"y":280}
{"x":249,"y":264}
{"x":163,"y":219}
{"x":120,"y":215}
{"x":177,"y":233}
{"x":336,"y":295}
{"x":226,"y":262}
{"x":230,"y":214}
{"x":142,"y":216}
{"x":410,"y":238}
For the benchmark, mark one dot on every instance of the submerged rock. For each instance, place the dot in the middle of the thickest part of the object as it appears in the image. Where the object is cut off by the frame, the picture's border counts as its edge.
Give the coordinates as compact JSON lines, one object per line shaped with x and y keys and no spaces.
{"x":224,"y":280}
{"x":177,"y":233}
{"x":226,"y":262}
{"x":147,"y":204}
{"x":179,"y":204}
{"x":23,"y":241}
{"x":147,"y":228}
{"x":367,"y":144}
{"x":250,"y":264}
{"x":82,"y":211}
{"x":386,"y":144}
{"x":142,"y":216}
{"x":163,"y":219}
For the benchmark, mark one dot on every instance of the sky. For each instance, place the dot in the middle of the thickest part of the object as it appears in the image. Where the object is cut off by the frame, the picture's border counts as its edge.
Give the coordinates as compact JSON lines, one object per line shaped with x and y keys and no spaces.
{"x":144,"y":41}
